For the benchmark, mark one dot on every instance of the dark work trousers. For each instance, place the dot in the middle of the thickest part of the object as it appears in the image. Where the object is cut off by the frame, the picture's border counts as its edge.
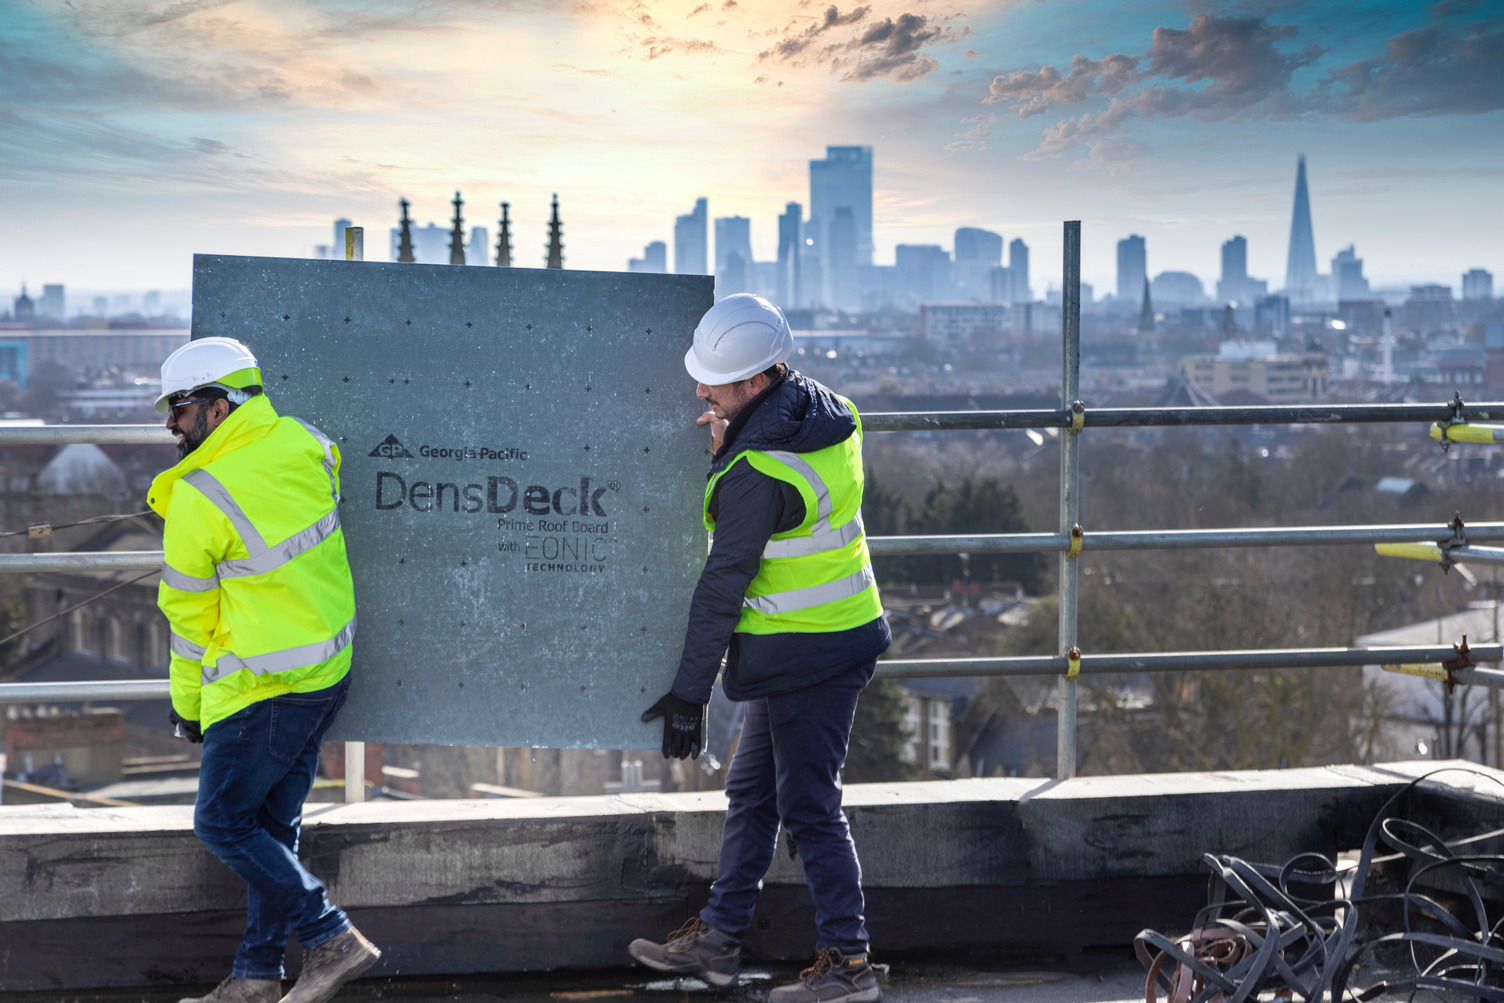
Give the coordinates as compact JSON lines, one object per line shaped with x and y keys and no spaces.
{"x":787,"y":768}
{"x":258,"y":768}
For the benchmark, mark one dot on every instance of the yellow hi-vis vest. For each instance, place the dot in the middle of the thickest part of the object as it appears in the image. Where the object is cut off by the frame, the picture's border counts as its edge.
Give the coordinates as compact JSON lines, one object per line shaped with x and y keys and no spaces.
{"x":817,"y":577}
{"x":255,"y":585}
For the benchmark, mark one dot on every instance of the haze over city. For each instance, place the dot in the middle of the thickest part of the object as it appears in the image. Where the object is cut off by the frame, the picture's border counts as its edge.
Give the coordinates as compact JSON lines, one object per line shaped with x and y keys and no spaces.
{"x":138,"y":134}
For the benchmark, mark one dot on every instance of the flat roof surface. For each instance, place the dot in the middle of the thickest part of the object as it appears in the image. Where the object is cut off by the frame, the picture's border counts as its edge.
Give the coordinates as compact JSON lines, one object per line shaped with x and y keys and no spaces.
{"x":1091,"y":978}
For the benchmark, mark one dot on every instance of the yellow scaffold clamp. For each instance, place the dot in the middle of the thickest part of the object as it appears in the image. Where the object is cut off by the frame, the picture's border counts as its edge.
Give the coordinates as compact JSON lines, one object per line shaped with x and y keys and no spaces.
{"x":1078,"y":416}
{"x":1073,"y":663}
{"x":1078,"y":541}
{"x":1443,"y":672}
{"x":1440,"y":551}
{"x":1455,"y":428}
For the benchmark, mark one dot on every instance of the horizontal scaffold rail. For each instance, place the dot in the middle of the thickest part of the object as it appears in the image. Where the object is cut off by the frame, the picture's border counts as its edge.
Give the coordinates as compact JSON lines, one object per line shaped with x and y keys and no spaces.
{"x":1182,"y":661}
{"x":926,"y":668}
{"x":1124,"y":417}
{"x":98,"y":435}
{"x":103,"y":560}
{"x":980,"y":543}
{"x":84,"y":692}
{"x":1175,"y":539}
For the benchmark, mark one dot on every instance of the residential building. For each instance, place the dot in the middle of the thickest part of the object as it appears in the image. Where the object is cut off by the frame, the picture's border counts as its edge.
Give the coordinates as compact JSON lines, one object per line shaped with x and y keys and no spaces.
{"x":691,"y":255}
{"x":1477,"y":284}
{"x":942,"y":323}
{"x":1259,"y":370}
{"x":1429,"y":308}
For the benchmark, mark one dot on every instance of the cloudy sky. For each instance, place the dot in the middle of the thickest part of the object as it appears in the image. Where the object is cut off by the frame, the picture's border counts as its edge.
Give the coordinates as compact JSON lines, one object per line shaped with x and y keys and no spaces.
{"x":133,"y":134}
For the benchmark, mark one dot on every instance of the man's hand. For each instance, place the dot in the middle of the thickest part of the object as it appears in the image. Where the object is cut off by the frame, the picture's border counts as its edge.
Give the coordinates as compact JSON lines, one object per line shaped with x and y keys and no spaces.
{"x":683,"y":726}
{"x":717,"y":429}
{"x":183,"y":728}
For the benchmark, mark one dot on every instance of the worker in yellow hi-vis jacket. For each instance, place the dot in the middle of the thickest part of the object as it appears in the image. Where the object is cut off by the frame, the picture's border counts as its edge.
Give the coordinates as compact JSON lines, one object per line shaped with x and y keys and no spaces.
{"x":256,"y":587}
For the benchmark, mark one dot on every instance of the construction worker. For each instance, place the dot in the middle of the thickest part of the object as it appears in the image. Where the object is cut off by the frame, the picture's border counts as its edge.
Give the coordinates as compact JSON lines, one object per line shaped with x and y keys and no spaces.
{"x":788,"y":597}
{"x":257,"y":590}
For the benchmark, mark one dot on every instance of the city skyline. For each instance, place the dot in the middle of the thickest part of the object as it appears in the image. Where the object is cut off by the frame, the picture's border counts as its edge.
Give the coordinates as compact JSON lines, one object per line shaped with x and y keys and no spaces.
{"x":1007,"y":118}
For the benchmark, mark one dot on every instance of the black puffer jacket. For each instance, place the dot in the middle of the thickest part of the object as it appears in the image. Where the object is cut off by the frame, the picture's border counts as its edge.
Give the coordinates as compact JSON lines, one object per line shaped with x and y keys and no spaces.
{"x":799,"y":415}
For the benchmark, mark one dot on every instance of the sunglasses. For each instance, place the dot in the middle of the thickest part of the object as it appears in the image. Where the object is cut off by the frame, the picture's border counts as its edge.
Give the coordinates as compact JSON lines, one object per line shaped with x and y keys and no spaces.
{"x":176,"y":406}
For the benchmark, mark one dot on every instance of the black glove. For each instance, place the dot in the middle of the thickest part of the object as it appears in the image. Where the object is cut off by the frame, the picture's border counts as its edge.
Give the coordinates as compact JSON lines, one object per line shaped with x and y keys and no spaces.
{"x":186,"y":729}
{"x":683,"y":726}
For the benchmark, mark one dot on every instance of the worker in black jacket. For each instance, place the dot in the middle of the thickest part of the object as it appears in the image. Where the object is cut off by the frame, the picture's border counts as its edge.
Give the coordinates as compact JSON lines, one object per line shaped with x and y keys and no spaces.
{"x":788,"y":598}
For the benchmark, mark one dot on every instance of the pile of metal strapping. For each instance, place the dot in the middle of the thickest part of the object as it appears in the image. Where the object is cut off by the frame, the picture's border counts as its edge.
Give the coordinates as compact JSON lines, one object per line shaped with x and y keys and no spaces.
{"x":1267,"y":934}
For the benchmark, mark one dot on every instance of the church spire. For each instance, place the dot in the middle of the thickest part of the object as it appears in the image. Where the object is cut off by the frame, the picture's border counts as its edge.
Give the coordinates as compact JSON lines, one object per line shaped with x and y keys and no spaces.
{"x":1146,"y":312}
{"x":555,"y":239}
{"x":457,"y":235}
{"x":504,"y":238}
{"x":405,"y":243}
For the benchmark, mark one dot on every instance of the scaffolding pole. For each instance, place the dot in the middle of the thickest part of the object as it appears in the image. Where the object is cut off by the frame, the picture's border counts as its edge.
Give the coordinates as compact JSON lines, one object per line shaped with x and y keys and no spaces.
{"x":1179,"y":539}
{"x":1160,"y":417}
{"x":1070,"y":497}
{"x":1184,"y":661}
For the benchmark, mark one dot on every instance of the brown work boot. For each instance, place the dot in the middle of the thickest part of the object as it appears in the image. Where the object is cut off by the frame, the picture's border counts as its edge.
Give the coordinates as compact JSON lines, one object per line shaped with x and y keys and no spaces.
{"x":833,"y":978}
{"x":697,"y":949}
{"x":330,"y":965}
{"x":233,"y":990}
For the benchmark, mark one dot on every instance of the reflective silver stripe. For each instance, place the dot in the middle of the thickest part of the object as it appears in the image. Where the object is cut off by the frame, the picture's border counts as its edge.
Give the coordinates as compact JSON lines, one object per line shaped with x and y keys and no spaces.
{"x":819,"y":543}
{"x":328,"y":444}
{"x":281,"y":661}
{"x":274,"y":557}
{"x":209,"y":486}
{"x":186,"y":648}
{"x":187,"y":583}
{"x":822,"y":493}
{"x":814,"y":595}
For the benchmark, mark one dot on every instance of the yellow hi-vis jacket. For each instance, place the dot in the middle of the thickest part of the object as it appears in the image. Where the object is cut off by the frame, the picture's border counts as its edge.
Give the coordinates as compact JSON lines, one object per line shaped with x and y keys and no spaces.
{"x":255,"y":585}
{"x":817,"y":577}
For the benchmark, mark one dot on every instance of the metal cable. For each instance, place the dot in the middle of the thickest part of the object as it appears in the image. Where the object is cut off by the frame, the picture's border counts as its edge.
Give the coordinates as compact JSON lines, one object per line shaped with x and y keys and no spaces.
{"x":94,"y":598}
{"x":1257,"y":935}
{"x":45,"y":529}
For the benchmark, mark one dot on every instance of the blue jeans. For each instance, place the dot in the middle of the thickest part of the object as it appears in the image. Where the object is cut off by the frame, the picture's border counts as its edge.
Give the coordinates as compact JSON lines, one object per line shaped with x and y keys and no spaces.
{"x":787,"y":768}
{"x":258,"y":768}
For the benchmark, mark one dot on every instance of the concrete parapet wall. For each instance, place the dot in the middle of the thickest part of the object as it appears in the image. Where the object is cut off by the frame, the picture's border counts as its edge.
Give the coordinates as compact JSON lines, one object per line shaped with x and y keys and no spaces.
{"x":127,"y":896}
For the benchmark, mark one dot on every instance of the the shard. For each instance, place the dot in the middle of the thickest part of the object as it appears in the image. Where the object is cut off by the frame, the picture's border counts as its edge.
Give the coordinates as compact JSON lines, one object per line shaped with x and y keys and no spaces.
{"x":1300,"y":266}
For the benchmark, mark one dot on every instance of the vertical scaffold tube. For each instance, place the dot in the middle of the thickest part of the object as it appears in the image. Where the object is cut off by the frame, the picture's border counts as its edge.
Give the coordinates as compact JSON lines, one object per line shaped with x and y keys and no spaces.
{"x":1070,"y":487}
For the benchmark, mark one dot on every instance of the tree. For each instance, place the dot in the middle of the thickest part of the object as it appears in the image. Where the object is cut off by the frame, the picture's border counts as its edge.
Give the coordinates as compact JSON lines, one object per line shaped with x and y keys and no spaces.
{"x":878,"y":736}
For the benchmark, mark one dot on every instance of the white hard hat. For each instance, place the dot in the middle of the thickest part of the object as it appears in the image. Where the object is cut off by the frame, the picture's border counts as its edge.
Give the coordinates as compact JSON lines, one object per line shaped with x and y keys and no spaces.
{"x":222,"y":362}
{"x":738,"y":338}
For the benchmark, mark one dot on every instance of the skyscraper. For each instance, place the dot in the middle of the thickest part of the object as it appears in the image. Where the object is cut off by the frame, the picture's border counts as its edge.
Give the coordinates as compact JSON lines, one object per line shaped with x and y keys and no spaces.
{"x":842,"y":180}
{"x":978,"y":252}
{"x":1133,"y":268}
{"x":654,"y":259}
{"x":479,"y":250}
{"x":1234,"y":270}
{"x":1477,"y":284}
{"x":1300,"y":265}
{"x":1347,"y":275}
{"x":790,"y":238}
{"x":840,"y":255}
{"x":1018,"y":271}
{"x":691,"y":256}
{"x":54,"y":302}
{"x":733,"y":236}
{"x":337,"y":250}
